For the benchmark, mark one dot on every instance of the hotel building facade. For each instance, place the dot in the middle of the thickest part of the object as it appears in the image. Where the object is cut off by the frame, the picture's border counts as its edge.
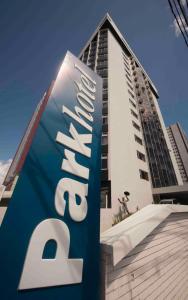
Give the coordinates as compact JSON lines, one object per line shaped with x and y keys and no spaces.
{"x":136,"y":152}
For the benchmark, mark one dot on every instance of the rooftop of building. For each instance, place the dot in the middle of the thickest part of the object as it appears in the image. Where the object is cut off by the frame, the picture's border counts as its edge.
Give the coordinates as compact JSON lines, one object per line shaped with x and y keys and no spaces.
{"x":107,"y":22}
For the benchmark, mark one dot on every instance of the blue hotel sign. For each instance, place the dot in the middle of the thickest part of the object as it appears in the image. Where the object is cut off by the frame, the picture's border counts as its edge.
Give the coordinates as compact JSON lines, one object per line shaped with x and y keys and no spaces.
{"x":49,"y":239}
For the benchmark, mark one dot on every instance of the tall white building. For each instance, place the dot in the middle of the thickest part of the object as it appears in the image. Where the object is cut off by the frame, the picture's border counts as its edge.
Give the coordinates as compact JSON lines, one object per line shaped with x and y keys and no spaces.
{"x":136,"y":152}
{"x":179,"y":143}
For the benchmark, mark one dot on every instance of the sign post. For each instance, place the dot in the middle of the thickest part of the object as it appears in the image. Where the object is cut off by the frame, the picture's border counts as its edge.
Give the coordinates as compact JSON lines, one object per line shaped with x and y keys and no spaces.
{"x":49,"y":238}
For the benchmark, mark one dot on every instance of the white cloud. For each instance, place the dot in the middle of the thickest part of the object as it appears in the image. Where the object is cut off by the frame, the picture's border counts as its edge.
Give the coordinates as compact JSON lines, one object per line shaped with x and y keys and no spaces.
{"x":176,"y":27}
{"x":4,"y":166}
{"x":183,"y":2}
{"x":175,"y":24}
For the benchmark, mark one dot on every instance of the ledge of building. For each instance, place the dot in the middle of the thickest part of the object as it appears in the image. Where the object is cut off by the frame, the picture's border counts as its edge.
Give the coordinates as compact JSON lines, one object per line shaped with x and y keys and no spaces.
{"x":171,"y":189}
{"x":2,"y":189}
{"x":120,"y":239}
{"x":7,"y":195}
{"x":179,"y":192}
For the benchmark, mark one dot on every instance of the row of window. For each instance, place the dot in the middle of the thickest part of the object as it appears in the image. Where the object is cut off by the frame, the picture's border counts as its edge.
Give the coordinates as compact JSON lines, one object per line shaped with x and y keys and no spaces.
{"x":129,"y":83}
{"x":157,"y":148}
{"x":141,"y":156}
{"x":128,"y":75}
{"x":104,"y":160}
{"x":102,"y":70}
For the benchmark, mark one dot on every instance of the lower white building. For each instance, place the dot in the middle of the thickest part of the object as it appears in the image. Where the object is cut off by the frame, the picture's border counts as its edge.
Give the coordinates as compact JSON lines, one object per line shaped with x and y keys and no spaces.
{"x":179,"y":143}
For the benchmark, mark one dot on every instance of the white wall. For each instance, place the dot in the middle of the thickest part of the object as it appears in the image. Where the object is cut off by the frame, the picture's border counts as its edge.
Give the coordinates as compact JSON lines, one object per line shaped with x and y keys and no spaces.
{"x":156,"y":269}
{"x":123,"y":163}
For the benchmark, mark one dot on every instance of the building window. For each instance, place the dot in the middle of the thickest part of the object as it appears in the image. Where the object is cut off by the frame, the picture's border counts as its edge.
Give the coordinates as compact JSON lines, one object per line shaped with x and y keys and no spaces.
{"x":144,"y":175}
{"x":106,"y":194}
{"x":129,"y":86}
{"x":105,"y":109}
{"x":105,"y":105}
{"x":136,"y":126}
{"x":104,"y":140}
{"x":131,"y":94}
{"x":105,"y":96}
{"x":104,"y":162}
{"x":105,"y":128}
{"x":138,"y":140}
{"x":105,"y":119}
{"x":134,"y":114}
{"x":105,"y":83}
{"x":127,"y":76}
{"x":104,"y":198}
{"x":141,"y":156}
{"x":125,"y":56}
{"x":126,"y":64}
{"x":127,"y":69}
{"x":132,"y":103}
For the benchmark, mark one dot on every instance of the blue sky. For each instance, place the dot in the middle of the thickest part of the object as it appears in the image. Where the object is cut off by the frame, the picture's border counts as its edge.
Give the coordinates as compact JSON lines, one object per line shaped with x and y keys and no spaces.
{"x":35,"y":35}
